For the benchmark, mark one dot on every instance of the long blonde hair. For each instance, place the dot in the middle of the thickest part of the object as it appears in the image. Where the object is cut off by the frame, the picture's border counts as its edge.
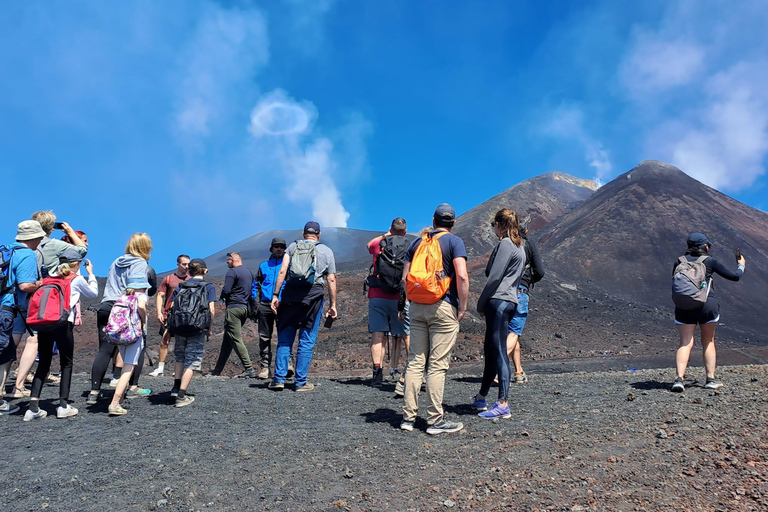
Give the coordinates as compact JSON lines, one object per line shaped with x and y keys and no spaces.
{"x":506,"y":220}
{"x":140,"y":245}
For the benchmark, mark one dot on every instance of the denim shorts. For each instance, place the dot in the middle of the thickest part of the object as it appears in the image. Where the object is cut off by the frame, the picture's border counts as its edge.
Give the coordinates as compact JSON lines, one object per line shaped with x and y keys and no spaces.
{"x":517,"y":323}
{"x":382,"y":317}
{"x":189,"y":351}
{"x":131,"y":353}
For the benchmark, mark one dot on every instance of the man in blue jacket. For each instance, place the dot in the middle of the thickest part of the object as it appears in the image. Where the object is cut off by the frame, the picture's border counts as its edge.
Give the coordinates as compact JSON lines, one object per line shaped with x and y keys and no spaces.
{"x":263,"y":289}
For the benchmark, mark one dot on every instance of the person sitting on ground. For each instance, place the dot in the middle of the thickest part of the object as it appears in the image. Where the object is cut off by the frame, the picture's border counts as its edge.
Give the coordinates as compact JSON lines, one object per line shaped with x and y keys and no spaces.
{"x":235,"y":293}
{"x":383,"y":296}
{"x":262,"y":291}
{"x":133,"y":263}
{"x":138,"y":286}
{"x":497,"y":304}
{"x":307,"y":266}
{"x":163,"y":304}
{"x":190,"y":346}
{"x":532,"y":273}
{"x":63,"y":337}
{"x":19,"y":279}
{"x":707,"y":316}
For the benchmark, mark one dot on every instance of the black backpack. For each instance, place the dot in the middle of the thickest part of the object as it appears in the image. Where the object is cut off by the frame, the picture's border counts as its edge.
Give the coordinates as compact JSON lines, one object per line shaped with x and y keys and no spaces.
{"x":190,"y":314}
{"x":390,"y":263}
{"x":5,"y":269}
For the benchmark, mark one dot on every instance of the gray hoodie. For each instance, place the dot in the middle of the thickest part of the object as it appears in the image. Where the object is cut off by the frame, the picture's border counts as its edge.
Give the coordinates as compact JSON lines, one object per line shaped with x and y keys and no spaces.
{"x":504,"y":270}
{"x":122,"y":268}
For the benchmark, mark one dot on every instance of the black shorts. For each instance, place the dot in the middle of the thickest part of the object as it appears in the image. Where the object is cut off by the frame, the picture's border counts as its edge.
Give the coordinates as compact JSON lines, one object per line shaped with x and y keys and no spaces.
{"x":710,"y":313}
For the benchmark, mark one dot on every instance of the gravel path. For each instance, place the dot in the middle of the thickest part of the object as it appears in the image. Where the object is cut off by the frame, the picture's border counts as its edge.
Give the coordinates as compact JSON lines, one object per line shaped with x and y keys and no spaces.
{"x":577,"y":441}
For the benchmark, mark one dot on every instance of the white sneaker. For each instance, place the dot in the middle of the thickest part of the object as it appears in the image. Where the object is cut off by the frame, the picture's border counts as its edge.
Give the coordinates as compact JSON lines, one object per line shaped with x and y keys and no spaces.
{"x":6,"y":408}
{"x":156,"y":373}
{"x":62,"y":412}
{"x":29,"y":415}
{"x":113,"y":383}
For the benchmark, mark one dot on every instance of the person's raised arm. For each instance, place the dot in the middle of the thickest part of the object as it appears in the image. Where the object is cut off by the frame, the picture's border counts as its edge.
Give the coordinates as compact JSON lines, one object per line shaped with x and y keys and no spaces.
{"x":727,"y":273}
{"x":462,"y":284}
{"x":280,"y":281}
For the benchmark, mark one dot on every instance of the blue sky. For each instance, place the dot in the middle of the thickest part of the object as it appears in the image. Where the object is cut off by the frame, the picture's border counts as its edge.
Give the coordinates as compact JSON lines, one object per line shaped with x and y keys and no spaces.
{"x":204,"y":122}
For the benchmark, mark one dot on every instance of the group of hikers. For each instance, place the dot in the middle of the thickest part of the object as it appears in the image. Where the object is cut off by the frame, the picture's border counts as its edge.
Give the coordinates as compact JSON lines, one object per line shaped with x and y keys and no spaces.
{"x":418,"y":291}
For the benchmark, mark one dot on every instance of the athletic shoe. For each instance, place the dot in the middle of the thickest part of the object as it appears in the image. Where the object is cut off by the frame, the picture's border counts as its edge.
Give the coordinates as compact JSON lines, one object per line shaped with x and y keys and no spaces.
{"x":93,"y":398}
{"x":52,"y":379}
{"x":378,"y":378}
{"x":183,"y":402}
{"x":29,"y":378}
{"x":247,"y":374}
{"x":400,"y":389}
{"x":406,"y":425}
{"x":277,"y":386}
{"x":157,"y":372}
{"x":263,"y":374}
{"x":306,"y":387}
{"x":496,"y":411}
{"x":29,"y":415}
{"x":290,"y":373}
{"x":6,"y":408}
{"x":713,"y":384}
{"x":174,"y":392}
{"x":520,"y":378}
{"x":116,"y":410}
{"x":138,"y":393}
{"x":444,"y":427}
{"x":66,"y":412}
{"x":678,"y":386}
{"x":113,"y":383}
{"x":17,"y":393}
{"x":479,"y":404}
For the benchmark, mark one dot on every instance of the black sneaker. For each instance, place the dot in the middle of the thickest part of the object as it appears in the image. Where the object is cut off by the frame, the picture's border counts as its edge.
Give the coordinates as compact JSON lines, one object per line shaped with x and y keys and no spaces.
{"x":248,"y":374}
{"x":444,"y":427}
{"x":378,"y":378}
{"x":678,"y":386}
{"x":275,"y":385}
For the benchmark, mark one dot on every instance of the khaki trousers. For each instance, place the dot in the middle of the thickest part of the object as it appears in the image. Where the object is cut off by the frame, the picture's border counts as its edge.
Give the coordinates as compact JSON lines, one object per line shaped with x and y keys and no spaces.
{"x":434,"y":328}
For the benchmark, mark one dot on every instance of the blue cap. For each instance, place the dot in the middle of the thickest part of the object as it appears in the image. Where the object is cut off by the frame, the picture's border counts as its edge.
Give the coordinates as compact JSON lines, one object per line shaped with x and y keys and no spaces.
{"x":445,"y":212}
{"x":697,"y":240}
{"x":312,"y":228}
{"x":137,"y":282}
{"x":70,"y":256}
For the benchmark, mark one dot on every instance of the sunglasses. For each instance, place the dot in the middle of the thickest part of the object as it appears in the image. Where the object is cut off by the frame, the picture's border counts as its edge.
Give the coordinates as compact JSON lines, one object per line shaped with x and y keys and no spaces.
{"x":278,"y":247}
{"x":493,"y":224}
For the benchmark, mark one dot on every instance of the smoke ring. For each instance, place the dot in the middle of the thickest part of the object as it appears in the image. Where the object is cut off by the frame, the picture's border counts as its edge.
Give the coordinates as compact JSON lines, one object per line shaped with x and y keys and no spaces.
{"x":280,"y":118}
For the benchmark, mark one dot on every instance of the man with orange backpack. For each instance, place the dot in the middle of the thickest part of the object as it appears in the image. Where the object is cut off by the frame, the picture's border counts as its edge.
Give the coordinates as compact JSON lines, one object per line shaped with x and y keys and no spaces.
{"x":436,"y":281}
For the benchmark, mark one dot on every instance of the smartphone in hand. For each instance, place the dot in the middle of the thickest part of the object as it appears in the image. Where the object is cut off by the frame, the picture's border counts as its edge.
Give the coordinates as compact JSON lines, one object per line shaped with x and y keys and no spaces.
{"x":737,"y":253}
{"x":329,"y":321}
{"x":58,"y":225}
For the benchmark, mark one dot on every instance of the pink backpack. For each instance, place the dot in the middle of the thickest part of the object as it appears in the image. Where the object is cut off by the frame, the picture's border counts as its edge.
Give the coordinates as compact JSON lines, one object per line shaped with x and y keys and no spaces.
{"x":124,"y":324}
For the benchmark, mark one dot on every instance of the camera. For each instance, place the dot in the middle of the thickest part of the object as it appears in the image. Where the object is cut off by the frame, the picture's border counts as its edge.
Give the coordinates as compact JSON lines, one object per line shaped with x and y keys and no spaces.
{"x":58,"y":225}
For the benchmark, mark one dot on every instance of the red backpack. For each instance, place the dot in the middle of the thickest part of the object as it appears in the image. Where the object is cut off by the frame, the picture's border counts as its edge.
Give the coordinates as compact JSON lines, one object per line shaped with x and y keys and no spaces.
{"x":49,"y":306}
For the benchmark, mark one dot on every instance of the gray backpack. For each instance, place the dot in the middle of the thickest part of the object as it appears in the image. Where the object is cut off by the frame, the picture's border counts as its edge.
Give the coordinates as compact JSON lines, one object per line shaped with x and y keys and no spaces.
{"x":303,"y":263}
{"x":690,"y":287}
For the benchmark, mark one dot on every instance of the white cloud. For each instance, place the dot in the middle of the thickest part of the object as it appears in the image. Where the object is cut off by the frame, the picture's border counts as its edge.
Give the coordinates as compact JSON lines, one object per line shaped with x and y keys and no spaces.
{"x":567,"y":123}
{"x":654,"y":64}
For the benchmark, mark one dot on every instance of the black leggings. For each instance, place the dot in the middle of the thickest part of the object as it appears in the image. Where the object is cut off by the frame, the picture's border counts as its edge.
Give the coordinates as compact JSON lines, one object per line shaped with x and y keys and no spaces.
{"x":65,"y":340}
{"x":107,"y":351}
{"x":498,"y":313}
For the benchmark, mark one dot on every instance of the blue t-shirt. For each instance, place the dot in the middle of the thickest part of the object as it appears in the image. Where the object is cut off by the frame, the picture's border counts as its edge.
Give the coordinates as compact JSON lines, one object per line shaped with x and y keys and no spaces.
{"x":23,"y":269}
{"x":452,"y":247}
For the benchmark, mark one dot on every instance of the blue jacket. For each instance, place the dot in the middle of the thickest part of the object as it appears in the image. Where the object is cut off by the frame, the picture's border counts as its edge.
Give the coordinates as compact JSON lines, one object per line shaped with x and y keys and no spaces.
{"x":264,"y":285}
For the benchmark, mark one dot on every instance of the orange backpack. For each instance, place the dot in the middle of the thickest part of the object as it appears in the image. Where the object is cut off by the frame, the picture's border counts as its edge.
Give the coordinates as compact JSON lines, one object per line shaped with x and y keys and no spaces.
{"x":427,"y":282}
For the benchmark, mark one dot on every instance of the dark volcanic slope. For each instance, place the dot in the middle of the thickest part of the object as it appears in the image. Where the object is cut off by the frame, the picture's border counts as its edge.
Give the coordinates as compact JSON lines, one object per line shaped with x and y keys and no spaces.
{"x":545,"y":198}
{"x":625,"y":238}
{"x":347,"y":244}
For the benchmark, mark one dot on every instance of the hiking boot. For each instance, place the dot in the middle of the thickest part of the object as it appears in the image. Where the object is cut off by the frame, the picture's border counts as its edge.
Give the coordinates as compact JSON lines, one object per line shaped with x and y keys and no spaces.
{"x":520,"y":378}
{"x":93,"y":398}
{"x":406,"y":425}
{"x":306,"y":387}
{"x":116,"y":410}
{"x":29,"y":415}
{"x":713,"y":384}
{"x":444,"y":427}
{"x":183,"y":402}
{"x":66,"y":412}
{"x":479,"y":404}
{"x":378,"y":378}
{"x":18,"y":393}
{"x":263,"y":374}
{"x":247,"y":374}
{"x":276,"y":386}
{"x":6,"y":408}
{"x":678,"y":386}
{"x":138,"y":393}
{"x":157,"y":372}
{"x":496,"y":411}
{"x":400,"y":389}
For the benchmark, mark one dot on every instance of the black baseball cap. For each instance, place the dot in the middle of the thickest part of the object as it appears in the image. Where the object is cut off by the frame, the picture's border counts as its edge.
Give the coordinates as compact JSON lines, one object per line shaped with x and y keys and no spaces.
{"x":277,"y":242}
{"x":697,"y":240}
{"x":199,"y":261}
{"x":312,"y":228}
